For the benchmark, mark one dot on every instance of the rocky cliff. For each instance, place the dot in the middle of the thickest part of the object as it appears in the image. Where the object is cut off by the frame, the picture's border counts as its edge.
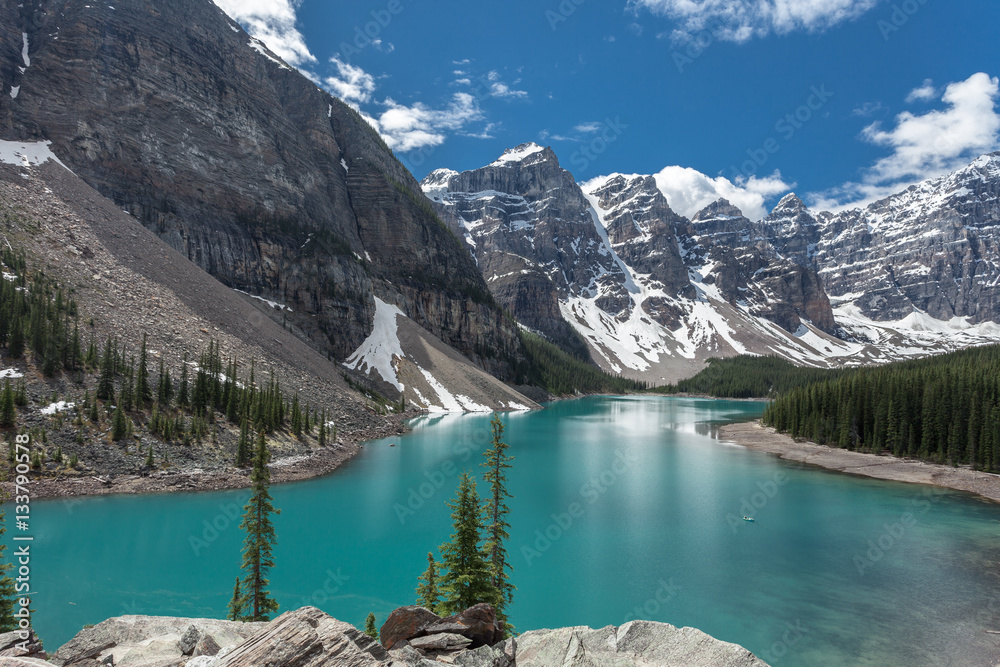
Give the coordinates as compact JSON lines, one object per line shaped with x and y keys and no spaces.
{"x":244,"y":166}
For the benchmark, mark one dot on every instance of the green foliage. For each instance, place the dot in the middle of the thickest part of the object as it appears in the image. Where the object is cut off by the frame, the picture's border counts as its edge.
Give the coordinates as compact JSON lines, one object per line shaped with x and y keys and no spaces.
{"x":8,"y":411}
{"x":747,"y":376}
{"x":258,"y":544}
{"x":497,"y":526}
{"x":237,"y":607}
{"x":428,"y":595}
{"x":562,"y":374}
{"x":468,"y":578}
{"x":370,"y":628}
{"x":942,"y":409}
{"x":119,"y":424}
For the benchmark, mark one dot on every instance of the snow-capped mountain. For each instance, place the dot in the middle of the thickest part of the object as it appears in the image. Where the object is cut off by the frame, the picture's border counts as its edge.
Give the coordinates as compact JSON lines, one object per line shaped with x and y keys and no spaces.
{"x":607,"y":268}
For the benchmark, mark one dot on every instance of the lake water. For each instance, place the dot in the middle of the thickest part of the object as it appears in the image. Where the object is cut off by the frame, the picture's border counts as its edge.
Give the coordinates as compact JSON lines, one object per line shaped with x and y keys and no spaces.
{"x":624,"y":507}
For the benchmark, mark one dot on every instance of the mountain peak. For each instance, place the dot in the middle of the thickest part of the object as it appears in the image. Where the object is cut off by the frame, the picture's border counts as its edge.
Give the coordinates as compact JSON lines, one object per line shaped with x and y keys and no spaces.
{"x":519,"y":153}
{"x":790,"y":203}
{"x":720,"y":208}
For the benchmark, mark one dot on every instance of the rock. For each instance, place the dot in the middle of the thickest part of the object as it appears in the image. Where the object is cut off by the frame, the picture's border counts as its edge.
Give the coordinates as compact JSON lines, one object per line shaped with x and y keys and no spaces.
{"x":478,"y":623}
{"x":635,"y":643}
{"x":24,"y":662}
{"x":306,"y":637}
{"x":441,"y":641}
{"x":410,"y":657}
{"x":486,"y":656}
{"x":206,"y":646}
{"x":13,"y":645}
{"x":202,"y":661}
{"x":153,"y":639}
{"x":406,"y":623}
{"x":189,"y":640}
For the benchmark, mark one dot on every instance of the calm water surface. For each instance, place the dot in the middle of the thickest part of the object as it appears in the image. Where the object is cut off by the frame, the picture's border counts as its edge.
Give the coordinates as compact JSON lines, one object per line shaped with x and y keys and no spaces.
{"x":624,"y":507}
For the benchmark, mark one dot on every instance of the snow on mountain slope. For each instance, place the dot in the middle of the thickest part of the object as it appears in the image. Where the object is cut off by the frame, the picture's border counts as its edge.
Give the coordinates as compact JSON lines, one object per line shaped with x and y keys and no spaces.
{"x":654,"y":294}
{"x":426,"y":372}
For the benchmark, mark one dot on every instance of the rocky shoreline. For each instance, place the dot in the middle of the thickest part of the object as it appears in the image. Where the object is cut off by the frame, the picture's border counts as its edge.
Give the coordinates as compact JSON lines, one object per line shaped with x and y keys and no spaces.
{"x":192,"y":478}
{"x":755,"y":436}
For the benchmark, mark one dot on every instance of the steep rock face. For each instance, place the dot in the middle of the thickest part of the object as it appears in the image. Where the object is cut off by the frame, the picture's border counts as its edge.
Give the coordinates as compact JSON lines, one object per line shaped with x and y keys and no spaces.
{"x":651,"y":293}
{"x":533,"y":235}
{"x":934,"y":247}
{"x":171,"y":110}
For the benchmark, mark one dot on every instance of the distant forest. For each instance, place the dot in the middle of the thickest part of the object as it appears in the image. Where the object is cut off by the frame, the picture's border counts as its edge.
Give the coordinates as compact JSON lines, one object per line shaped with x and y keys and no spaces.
{"x":747,"y":376}
{"x":942,"y":409}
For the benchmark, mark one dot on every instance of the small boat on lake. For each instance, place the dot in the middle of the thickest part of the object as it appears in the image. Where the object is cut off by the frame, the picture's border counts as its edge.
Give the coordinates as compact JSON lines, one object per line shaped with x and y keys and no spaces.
{"x":749,"y":518}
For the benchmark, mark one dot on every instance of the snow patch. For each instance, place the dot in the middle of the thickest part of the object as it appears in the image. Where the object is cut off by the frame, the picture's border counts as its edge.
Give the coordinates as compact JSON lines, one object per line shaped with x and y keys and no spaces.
{"x":28,"y":153}
{"x":273,"y":304}
{"x":343,"y":163}
{"x":24,"y":49}
{"x":61,"y":406}
{"x":517,"y":154}
{"x":382,"y":347}
{"x":11,"y":373}
{"x":14,"y":91}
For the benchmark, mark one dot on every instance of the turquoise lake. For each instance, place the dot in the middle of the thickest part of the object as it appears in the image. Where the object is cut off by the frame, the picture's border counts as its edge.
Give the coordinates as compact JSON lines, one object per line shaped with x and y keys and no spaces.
{"x":623,"y":508}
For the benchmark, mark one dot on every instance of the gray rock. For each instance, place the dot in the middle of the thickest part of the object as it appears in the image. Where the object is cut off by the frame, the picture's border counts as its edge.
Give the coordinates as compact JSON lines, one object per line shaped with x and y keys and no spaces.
{"x":638,"y":643}
{"x":12,"y":644}
{"x":189,"y":640}
{"x":441,"y":641}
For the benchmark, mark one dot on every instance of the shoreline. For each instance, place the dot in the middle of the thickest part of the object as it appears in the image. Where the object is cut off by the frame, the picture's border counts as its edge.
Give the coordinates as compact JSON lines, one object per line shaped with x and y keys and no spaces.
{"x":755,"y":436}
{"x":319,"y":463}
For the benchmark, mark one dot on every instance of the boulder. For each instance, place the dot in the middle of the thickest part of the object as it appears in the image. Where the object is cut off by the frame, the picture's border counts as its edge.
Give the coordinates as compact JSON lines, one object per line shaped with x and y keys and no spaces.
{"x":142,"y":636}
{"x":440,"y":642}
{"x":488,"y":656}
{"x":24,"y":662}
{"x":478,"y":623}
{"x":189,"y":640}
{"x":306,"y":637}
{"x":406,"y":623}
{"x":206,"y":646}
{"x":635,"y":643}
{"x":13,"y":645}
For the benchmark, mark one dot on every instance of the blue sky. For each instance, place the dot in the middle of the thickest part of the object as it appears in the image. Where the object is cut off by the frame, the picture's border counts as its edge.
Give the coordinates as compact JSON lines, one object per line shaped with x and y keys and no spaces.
{"x":839,"y":100}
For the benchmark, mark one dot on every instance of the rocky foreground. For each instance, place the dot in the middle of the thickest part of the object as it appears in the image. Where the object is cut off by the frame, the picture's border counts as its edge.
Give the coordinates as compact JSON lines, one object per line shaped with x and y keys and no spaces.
{"x":411,"y":636}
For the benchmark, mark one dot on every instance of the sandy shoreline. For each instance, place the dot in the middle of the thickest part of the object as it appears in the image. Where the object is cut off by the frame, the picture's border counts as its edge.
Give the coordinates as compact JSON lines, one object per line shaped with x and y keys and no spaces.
{"x":187,"y":480}
{"x":753,"y":435}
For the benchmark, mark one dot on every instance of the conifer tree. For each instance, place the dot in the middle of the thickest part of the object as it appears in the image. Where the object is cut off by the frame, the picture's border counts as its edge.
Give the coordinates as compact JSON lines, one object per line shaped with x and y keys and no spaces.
{"x":143,"y":393}
{"x":106,"y":381}
{"x":7,"y":595}
{"x":236,"y":604}
{"x":150,"y":462}
{"x":370,"y":629}
{"x":260,"y":539}
{"x":243,"y":445}
{"x":427,"y":591}
{"x":8,"y":412}
{"x":467,"y":579}
{"x":497,"y":527}
{"x":119,"y":427}
{"x":322,"y":429}
{"x":182,"y":392}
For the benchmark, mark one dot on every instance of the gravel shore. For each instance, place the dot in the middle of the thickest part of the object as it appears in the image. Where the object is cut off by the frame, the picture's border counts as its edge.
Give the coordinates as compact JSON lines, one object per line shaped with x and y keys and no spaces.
{"x":753,"y":435}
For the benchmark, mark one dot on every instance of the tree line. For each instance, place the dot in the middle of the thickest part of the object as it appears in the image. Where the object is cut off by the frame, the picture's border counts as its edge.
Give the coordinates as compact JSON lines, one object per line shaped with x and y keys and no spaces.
{"x":941,"y":409}
{"x":747,"y":376}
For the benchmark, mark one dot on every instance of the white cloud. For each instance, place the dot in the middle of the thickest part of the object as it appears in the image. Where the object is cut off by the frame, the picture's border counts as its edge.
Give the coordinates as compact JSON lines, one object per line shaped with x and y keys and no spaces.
{"x":351,"y":83}
{"x":588,"y":128}
{"x":407,"y":128}
{"x":924,"y":93}
{"x":927,"y":145}
{"x":272,"y":22}
{"x":688,"y":191}
{"x":741,"y":20}
{"x":867,"y":109}
{"x":502,"y":90}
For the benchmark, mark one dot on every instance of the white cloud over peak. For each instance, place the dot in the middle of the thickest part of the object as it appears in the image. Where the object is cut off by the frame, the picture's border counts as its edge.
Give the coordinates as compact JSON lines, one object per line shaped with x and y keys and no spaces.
{"x":924,"y":93}
{"x":926,"y":145}
{"x":407,"y":128}
{"x":741,"y":20}
{"x":272,"y":22}
{"x":688,"y":191}
{"x":351,"y":83}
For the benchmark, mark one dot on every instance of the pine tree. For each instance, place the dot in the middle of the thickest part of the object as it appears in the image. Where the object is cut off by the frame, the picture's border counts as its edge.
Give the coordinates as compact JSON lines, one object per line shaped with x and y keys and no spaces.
{"x":497,"y":512}
{"x":7,"y":597}
{"x":322,"y":429}
{"x":427,"y":591}
{"x":150,"y":462}
{"x":243,"y":446}
{"x":370,"y":629}
{"x":182,"y":392}
{"x":8,"y":412}
{"x":236,"y":604}
{"x":143,"y":394}
{"x":468,"y":579}
{"x":15,"y":347}
{"x":260,"y":539}
{"x":119,"y":426}
{"x":165,"y":386}
{"x":106,"y":381}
